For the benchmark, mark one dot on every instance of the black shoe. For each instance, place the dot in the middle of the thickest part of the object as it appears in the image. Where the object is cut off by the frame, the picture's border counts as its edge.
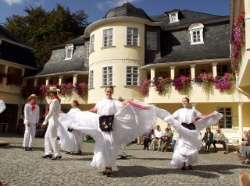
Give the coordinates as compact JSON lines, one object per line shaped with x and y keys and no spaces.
{"x":26,"y":148}
{"x":215,"y":150}
{"x":225,"y":152}
{"x":67,"y":152}
{"x":123,"y":157}
{"x":184,"y":166}
{"x":29,"y":148}
{"x":190,"y":167}
{"x":57,"y":157}
{"x":104,"y":172}
{"x":47,"y":156}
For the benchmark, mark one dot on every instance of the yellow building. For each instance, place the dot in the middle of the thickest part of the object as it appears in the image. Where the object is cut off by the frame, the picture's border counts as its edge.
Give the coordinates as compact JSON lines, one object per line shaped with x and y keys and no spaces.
{"x":16,"y":61}
{"x":157,"y":59}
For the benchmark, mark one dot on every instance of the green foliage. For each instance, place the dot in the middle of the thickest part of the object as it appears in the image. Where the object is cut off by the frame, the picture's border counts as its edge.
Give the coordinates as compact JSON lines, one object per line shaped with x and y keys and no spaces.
{"x":41,"y":29}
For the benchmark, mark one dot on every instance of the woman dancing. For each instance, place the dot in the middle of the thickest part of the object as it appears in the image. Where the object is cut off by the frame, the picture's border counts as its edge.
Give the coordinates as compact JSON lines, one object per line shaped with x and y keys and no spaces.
{"x":130,"y":121}
{"x":71,"y":140}
{"x":188,"y":123}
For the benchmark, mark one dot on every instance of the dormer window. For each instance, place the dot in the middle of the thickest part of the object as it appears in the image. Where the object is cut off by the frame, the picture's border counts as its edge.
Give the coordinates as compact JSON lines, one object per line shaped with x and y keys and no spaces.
{"x":173,"y":17}
{"x":196,"y":33}
{"x":69,"y":51}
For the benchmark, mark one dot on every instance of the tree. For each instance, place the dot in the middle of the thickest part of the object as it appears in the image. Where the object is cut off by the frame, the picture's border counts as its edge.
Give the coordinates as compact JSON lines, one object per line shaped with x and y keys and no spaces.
{"x":41,"y":29}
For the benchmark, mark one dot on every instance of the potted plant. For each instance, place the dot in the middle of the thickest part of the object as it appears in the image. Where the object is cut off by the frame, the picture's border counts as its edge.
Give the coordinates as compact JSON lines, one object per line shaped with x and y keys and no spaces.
{"x":206,"y":81}
{"x":182,"y":83}
{"x":81,"y":89}
{"x":162,"y":84}
{"x":224,"y":83}
{"x":144,"y":88}
{"x":238,"y":41}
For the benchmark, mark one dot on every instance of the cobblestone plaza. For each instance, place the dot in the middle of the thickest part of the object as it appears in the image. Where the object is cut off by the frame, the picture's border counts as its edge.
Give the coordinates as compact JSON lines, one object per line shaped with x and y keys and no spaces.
{"x":19,"y":167}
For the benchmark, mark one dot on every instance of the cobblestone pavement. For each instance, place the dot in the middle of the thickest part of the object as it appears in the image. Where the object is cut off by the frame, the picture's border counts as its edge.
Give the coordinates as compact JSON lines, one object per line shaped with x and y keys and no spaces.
{"x":19,"y":167}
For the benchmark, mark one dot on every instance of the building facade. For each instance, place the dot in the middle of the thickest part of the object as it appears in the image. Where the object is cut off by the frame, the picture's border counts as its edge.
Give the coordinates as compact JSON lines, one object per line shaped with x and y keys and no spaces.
{"x":16,"y":61}
{"x":156,"y":59}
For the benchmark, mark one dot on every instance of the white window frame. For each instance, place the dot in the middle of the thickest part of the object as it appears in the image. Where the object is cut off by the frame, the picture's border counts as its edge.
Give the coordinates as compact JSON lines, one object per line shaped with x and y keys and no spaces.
{"x":152,"y":40}
{"x":227,"y":116}
{"x":92,"y":43}
{"x":69,"y":51}
{"x":91,"y":79}
{"x":134,"y":76}
{"x":87,"y":50}
{"x":107,"y":73}
{"x":194,"y":29}
{"x":173,"y":17}
{"x":108,"y":37}
{"x":133,"y":36}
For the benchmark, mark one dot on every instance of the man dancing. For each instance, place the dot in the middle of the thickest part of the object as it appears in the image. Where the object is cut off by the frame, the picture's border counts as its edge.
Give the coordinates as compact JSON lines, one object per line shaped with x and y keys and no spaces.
{"x":51,"y":133}
{"x":31,"y":117}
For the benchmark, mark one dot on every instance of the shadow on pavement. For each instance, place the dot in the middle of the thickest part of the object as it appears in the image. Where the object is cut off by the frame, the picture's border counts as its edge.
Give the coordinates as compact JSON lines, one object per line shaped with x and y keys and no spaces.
{"x":204,"y":171}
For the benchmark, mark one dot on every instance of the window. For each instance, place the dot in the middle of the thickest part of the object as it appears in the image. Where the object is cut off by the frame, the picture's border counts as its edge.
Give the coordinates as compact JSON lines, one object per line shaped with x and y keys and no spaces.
{"x":152,"y":40}
{"x":108,"y":37}
{"x":226,"y":121}
{"x":133,"y":36}
{"x":87,"y":50}
{"x":91,"y":79}
{"x":221,"y":70}
{"x":184,"y":71}
{"x":196,"y":33}
{"x":132,"y":75}
{"x":107,"y":76}
{"x":69,"y":51}
{"x":92,"y":44}
{"x":173,"y":17}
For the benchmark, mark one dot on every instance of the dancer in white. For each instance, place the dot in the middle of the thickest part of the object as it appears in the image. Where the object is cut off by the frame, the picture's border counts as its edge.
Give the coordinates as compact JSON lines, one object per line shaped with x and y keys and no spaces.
{"x":129,"y":122}
{"x":31,"y":118}
{"x":51,"y":133}
{"x":71,"y":140}
{"x":186,"y":124}
{"x":2,"y":105}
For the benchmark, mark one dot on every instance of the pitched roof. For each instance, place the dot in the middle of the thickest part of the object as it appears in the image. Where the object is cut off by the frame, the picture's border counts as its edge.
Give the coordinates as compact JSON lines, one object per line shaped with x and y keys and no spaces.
{"x":127,"y":9}
{"x":58,"y":64}
{"x":176,"y":45}
{"x":15,"y":50}
{"x":76,"y":41}
{"x":186,"y":17}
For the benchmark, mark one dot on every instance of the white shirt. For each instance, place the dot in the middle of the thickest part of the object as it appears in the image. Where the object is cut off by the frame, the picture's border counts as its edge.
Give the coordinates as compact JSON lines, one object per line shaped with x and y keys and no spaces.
{"x":2,"y":106}
{"x":158,"y":133}
{"x":186,"y":115}
{"x":29,"y":115}
{"x":74,"y":110}
{"x":108,"y":106}
{"x":53,"y":114}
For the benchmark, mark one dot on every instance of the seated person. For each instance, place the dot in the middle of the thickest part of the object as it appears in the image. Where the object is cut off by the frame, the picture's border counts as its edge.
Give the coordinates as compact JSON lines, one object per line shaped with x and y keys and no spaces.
{"x":166,"y":139}
{"x":208,"y":138}
{"x":245,"y":145}
{"x":219,"y":137}
{"x":156,"y":139}
{"x":21,"y":126}
{"x":147,"y":138}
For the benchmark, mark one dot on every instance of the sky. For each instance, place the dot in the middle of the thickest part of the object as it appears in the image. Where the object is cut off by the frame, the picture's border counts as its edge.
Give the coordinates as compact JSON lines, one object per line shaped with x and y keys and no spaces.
{"x":96,"y":9}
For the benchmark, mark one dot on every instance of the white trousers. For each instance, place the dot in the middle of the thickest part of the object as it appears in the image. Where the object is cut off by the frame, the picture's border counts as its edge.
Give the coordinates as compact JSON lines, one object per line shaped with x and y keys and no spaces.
{"x":124,"y":150}
{"x":50,"y":141}
{"x":29,"y":135}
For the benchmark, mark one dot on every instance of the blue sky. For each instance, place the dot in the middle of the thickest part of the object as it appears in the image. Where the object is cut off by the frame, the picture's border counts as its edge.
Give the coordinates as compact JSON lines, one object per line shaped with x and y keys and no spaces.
{"x":96,"y":9}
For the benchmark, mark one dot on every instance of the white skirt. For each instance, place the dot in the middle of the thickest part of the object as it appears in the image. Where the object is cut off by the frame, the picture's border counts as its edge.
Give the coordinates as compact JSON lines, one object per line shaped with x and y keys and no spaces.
{"x":190,"y":141}
{"x":130,"y":122}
